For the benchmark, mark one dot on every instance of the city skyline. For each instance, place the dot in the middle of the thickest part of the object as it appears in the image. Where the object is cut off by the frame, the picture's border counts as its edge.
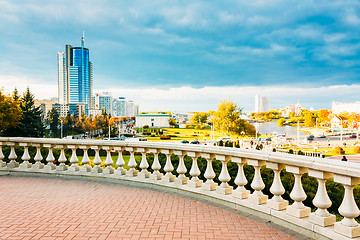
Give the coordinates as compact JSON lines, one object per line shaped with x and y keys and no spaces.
{"x":190,"y":53}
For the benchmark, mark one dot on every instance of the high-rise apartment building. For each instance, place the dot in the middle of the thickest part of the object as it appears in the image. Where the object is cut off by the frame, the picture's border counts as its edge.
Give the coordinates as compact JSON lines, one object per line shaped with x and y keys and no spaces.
{"x":262,"y":104}
{"x":103,"y":101}
{"x":75,"y":75}
{"x":125,"y":108}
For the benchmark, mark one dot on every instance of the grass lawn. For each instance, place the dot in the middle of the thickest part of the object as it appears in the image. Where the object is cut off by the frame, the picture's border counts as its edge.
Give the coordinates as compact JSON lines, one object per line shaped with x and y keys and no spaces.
{"x":179,"y":134}
{"x":114,"y":158}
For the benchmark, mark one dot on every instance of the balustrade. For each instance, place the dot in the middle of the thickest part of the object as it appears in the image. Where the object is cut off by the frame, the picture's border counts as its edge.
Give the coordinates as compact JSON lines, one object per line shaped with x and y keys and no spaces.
{"x":320,"y":221}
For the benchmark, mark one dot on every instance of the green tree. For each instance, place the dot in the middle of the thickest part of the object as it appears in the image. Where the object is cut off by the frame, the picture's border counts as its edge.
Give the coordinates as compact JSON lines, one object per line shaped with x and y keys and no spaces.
{"x":54,"y":122}
{"x":30,"y":123}
{"x":10,"y":113}
{"x":309,"y":120}
{"x":172,"y":122}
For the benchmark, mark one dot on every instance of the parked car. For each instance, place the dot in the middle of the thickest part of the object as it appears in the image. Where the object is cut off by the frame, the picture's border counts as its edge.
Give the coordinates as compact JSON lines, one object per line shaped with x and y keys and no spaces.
{"x":195,"y":142}
{"x":322,"y":136}
{"x":184,"y":141}
{"x":354,"y":135}
{"x":310,"y":137}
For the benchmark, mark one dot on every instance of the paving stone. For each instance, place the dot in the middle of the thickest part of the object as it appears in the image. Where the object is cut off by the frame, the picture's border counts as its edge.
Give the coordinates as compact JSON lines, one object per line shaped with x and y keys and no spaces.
{"x":50,"y":208}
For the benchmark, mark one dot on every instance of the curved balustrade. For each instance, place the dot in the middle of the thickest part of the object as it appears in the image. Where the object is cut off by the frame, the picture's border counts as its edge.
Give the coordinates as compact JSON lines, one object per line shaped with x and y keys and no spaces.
{"x":319,"y":224}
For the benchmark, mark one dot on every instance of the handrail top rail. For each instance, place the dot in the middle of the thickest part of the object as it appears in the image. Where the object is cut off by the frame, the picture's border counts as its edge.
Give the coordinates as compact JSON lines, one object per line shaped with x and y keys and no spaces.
{"x":326,"y":165}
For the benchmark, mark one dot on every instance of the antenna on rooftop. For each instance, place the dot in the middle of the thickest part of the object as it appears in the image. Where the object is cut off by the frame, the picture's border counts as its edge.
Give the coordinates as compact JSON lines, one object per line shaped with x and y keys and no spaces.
{"x":83,"y":40}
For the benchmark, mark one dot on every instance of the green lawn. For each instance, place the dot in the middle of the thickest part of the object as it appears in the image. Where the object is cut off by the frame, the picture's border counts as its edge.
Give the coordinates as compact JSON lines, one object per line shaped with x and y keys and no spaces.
{"x":114,"y":158}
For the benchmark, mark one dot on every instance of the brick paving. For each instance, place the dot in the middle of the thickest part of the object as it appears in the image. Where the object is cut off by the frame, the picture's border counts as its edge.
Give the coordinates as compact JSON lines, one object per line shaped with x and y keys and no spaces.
{"x":51,"y":208}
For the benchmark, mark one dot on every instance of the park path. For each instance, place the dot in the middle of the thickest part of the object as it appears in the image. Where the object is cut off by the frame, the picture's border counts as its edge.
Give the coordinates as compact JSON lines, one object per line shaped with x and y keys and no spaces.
{"x":52,"y":208}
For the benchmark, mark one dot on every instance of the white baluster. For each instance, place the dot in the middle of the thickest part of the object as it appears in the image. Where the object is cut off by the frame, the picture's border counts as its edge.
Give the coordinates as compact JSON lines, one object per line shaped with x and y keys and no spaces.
{"x":168,"y":168}
{"x":12,"y":156}
{"x":120,"y":162}
{"x":108,"y":161}
{"x":85,"y":160}
{"x":277,"y":188}
{"x":132,"y":163}
{"x":50,"y":158}
{"x":25,"y":157}
{"x":181,"y":169}
{"x":257,"y":184}
{"x":348,"y":208}
{"x":209,"y":174}
{"x":38,"y":158}
{"x":194,"y":171}
{"x":321,"y":200}
{"x":156,"y":175}
{"x":224,"y":176}
{"x":62,"y":159}
{"x":74,"y":159}
{"x":144,"y":173}
{"x":240,"y":180}
{"x":2,"y":163}
{"x":97,"y":161}
{"x":297,"y":209}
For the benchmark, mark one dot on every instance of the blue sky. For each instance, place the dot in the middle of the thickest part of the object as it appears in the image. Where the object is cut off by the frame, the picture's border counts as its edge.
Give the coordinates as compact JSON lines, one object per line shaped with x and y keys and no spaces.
{"x":188,"y":55}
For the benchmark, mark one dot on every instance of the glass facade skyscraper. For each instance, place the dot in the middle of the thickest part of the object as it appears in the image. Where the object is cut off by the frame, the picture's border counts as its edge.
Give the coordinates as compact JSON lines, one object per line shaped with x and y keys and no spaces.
{"x":75,"y":75}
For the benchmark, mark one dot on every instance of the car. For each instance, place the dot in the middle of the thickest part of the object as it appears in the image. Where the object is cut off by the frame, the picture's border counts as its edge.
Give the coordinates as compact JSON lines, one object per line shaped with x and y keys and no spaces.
{"x":354,"y":135}
{"x":310,"y":137}
{"x":184,"y":141}
{"x":268,"y":139}
{"x":195,"y":142}
{"x":322,"y":136}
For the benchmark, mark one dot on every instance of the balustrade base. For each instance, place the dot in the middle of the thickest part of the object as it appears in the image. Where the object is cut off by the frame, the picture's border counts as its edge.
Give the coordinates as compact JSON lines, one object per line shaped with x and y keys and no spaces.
{"x":242,"y":194}
{"x":277,"y":205}
{"x":25,"y":165}
{"x":50,"y":166}
{"x":322,"y":221}
{"x":61,"y":168}
{"x":120,"y":171}
{"x":85,"y":169}
{"x":169,"y":178}
{"x":74,"y":168}
{"x":351,"y":232}
{"x":224,"y":191}
{"x":181,"y":181}
{"x":96,"y":169}
{"x":195,"y":183}
{"x":144,"y":174}
{"x":210,"y":186}
{"x":108,"y":170}
{"x":299,"y":213}
{"x":132,"y":173}
{"x":12,"y":164}
{"x":262,"y":199}
{"x":2,"y":164}
{"x":38,"y":166}
{"x":156,"y":176}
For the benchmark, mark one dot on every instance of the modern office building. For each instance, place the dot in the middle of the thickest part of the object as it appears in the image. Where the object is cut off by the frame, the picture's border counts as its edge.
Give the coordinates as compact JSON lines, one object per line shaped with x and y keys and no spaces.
{"x":75,"y":76}
{"x":125,"y":108}
{"x":103,"y":101}
{"x":262,"y":104}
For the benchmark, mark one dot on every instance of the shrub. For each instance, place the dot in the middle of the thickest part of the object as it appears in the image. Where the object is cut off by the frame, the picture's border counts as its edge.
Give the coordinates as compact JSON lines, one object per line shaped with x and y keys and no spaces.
{"x":300,"y":153}
{"x":188,"y":126}
{"x":274,"y":149}
{"x":291,"y":151}
{"x":338,"y":151}
{"x":357,"y":149}
{"x":221,"y":143}
{"x":203,"y":127}
{"x":166,"y":137}
{"x":146,"y":126}
{"x":207,"y":135}
{"x":197,"y":127}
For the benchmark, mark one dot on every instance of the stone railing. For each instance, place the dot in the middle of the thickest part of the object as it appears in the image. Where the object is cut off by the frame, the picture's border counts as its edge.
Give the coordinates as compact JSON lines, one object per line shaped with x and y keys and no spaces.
{"x":298,"y":217}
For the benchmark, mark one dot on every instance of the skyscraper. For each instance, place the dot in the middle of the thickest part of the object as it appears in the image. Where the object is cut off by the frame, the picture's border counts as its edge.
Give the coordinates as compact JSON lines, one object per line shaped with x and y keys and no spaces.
{"x":75,"y":75}
{"x":262,"y":104}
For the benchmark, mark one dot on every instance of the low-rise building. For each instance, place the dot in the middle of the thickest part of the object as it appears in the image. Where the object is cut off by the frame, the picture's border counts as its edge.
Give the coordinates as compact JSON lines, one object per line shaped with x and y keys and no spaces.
{"x":337,"y":122}
{"x":152,"y":120}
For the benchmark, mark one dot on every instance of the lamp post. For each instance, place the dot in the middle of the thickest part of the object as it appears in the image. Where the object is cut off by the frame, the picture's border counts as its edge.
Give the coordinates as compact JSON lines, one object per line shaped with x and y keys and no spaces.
{"x":298,"y":132}
{"x":61,"y":128}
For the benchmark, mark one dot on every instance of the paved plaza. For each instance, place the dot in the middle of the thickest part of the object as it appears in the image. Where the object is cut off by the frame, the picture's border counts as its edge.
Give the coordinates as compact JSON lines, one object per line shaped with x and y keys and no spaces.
{"x":53,"y":208}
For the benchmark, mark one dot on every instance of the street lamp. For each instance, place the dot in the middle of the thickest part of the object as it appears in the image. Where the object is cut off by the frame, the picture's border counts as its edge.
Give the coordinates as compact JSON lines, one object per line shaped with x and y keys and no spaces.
{"x":61,"y":128}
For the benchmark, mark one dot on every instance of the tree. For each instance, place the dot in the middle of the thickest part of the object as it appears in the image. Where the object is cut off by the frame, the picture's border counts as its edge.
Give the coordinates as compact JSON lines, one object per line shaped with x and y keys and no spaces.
{"x":281,"y":122}
{"x":309,"y":119}
{"x":10,"y":114}
{"x":30,"y":123}
{"x":172,"y":122}
{"x":53,"y":119}
{"x":199,"y":118}
{"x":226,"y":115}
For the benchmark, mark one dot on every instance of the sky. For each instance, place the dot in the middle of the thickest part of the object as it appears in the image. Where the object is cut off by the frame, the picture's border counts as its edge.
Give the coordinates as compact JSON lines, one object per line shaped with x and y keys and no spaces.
{"x":189,"y":55}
